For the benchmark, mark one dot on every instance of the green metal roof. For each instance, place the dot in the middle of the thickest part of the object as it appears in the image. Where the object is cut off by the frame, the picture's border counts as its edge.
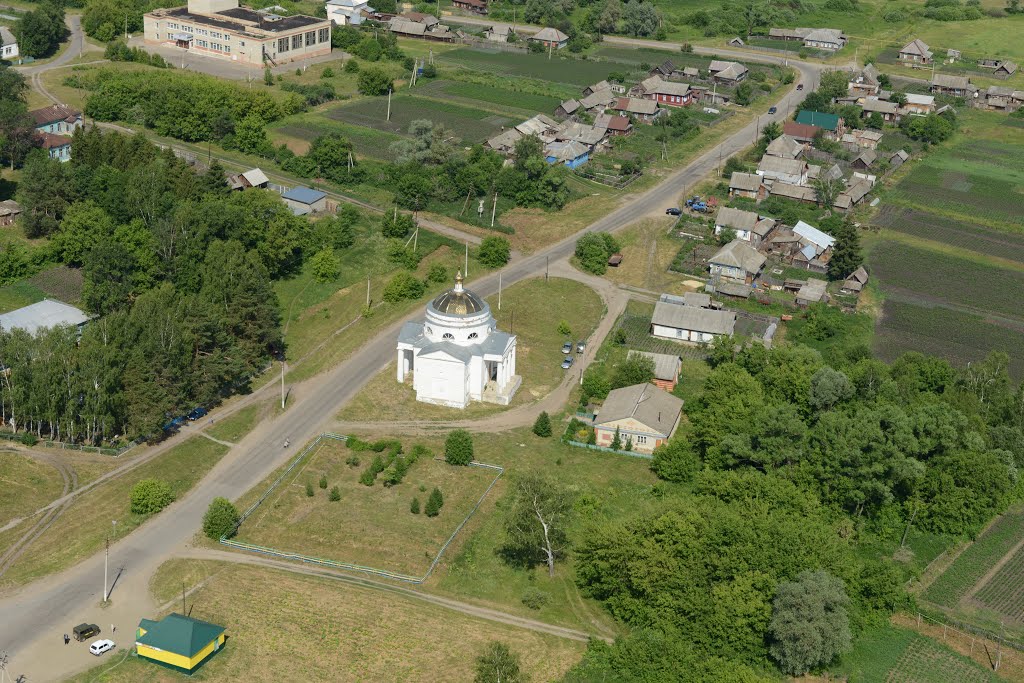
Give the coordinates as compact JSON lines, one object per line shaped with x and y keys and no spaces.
{"x":179,"y":634}
{"x":817,"y":118}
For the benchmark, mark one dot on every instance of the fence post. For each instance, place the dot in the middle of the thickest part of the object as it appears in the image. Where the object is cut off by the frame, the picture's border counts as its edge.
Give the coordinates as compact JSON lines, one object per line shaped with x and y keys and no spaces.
{"x":943,"y":633}
{"x":919,"y":620}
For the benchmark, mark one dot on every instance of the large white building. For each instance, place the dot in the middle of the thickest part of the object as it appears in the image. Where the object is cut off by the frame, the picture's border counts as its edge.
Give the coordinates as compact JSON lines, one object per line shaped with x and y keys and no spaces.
{"x":345,"y":12}
{"x":458,"y":354}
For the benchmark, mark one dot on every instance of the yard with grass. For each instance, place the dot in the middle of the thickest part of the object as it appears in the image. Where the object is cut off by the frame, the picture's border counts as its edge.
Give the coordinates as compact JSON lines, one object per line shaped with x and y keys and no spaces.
{"x":26,"y":484}
{"x":371,"y":526}
{"x":283,"y":626}
{"x":649,"y":248}
{"x":75,"y":534}
{"x":538,"y":352}
{"x":234,"y":427}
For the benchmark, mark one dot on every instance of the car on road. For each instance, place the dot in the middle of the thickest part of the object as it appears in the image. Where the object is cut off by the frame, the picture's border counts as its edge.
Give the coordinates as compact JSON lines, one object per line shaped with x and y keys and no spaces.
{"x":196,"y":413}
{"x":674,"y":211}
{"x":772,"y":110}
{"x":567,"y":347}
{"x":101,"y":646}
{"x":580,"y":345}
{"x":567,"y":362}
{"x":85,"y":631}
{"x":799,"y":86}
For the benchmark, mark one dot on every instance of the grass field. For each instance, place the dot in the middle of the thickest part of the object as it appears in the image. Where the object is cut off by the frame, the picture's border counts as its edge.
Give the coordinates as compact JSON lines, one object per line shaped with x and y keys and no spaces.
{"x":25,"y":485}
{"x":898,"y":655}
{"x":502,"y":99}
{"x":974,"y":562}
{"x":558,"y":69}
{"x":648,"y":249}
{"x":234,"y":427}
{"x":371,"y":525}
{"x":469,"y":123}
{"x":538,"y":352}
{"x":288,"y":627}
{"x":76,"y":534}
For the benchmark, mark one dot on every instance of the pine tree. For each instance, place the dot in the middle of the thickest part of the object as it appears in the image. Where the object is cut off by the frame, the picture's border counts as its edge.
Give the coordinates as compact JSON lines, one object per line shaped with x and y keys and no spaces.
{"x":617,"y":441}
{"x":434,"y":503}
{"x":309,"y":489}
{"x":542,"y":426}
{"x":335,"y":494}
{"x":323,"y":481}
{"x":415,"y":507}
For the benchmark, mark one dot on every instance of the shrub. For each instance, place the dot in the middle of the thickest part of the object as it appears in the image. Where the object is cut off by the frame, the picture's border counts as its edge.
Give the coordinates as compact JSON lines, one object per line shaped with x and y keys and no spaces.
{"x":429,"y":71}
{"x":542,"y":425}
{"x":325,"y":265}
{"x":534,"y":598}
{"x":593,"y":251}
{"x":323,"y":478}
{"x":351,"y":461}
{"x":29,"y":439}
{"x":335,"y":494}
{"x":437,"y":273}
{"x":458,"y":448}
{"x":434,"y":503}
{"x":564,"y":329}
{"x":327,"y":73}
{"x":150,"y":496}
{"x":402,"y":286}
{"x":309,"y":489}
{"x":374,"y":81}
{"x":220,"y":519}
{"x":351,"y":66}
{"x":414,"y":507}
{"x":494,"y":252}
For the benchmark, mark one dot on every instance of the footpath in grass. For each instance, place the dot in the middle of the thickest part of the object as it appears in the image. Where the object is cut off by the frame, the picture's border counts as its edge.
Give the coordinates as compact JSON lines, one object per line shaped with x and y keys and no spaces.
{"x":82,"y":529}
{"x":25,"y":485}
{"x":370,"y":526}
{"x":289,"y":627}
{"x":974,"y":562}
{"x":532,"y":310}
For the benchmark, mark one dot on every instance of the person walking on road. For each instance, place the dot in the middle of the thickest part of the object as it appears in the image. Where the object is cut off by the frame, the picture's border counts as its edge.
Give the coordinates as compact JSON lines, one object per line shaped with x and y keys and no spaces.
{"x":66,"y":639}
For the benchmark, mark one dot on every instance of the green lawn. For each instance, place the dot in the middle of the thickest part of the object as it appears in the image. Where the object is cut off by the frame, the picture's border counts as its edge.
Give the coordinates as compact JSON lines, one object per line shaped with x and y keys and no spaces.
{"x":236,"y":426}
{"x":19,"y":294}
{"x":76,"y":533}
{"x":25,"y":485}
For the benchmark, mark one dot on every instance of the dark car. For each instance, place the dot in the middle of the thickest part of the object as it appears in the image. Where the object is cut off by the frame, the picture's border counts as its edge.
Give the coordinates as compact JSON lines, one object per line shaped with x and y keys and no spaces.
{"x":772,"y":110}
{"x":85,"y":631}
{"x":673,"y":212}
{"x":196,"y":413}
{"x":799,"y":86}
{"x":580,"y":346}
{"x":567,"y":362}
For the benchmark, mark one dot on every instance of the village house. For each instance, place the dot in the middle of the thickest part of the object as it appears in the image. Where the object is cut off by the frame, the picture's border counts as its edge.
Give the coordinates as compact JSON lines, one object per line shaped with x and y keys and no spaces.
{"x":597,"y":101}
{"x":1005,"y":69}
{"x":815,"y":244}
{"x":498,"y":33}
{"x":798,"y":193}
{"x":856,"y":282}
{"x":953,"y":55}
{"x":663,"y":92}
{"x":916,"y":51}
{"x":801,"y":132}
{"x":831,"y":125}
{"x":668,"y":71}
{"x":600,"y":86}
{"x":918,"y":105}
{"x":542,"y":126}
{"x":853,"y":194}
{"x":812,"y":292}
{"x":865,"y":84}
{"x":737,"y":261}
{"x":9,"y":51}
{"x":572,"y":154}
{"x":862,"y":138}
{"x":889,"y":111}
{"x":746,"y":225}
{"x":417,"y":25}
{"x":43,"y":315}
{"x":898,"y":158}
{"x":471,"y":6}
{"x":583,"y":133}
{"x":786,"y":170}
{"x":785,"y":146}
{"x":864,"y":161}
{"x":747,"y":185}
{"x":825,"y":39}
{"x":614,"y":125}
{"x":505,"y":141}
{"x":567,"y":108}
{"x":550,"y":38}
{"x":727,"y":72}
{"x":222,"y":28}
{"x":1001,"y":98}
{"x":643,"y":415}
{"x":303,"y":200}
{"x":9,"y":211}
{"x":673,"y":319}
{"x":645,"y":111}
{"x":347,"y":12}
{"x":57,"y":119}
{"x":178,"y":642}
{"x":254,"y":177}
{"x":666,"y":368}
{"x":956,"y":86}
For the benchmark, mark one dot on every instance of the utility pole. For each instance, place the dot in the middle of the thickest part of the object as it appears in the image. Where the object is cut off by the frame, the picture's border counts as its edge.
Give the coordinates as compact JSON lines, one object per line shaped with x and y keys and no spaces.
{"x":999,"y":646}
{"x":494,"y":208}
{"x":367,"y":291}
{"x":182,"y":598}
{"x":465,"y":271}
{"x":389,"y":104}
{"x":547,"y":262}
{"x":499,"y":290}
{"x":125,"y":27}
{"x":3,"y":666}
{"x":106,"y":557}
{"x":282,"y":384}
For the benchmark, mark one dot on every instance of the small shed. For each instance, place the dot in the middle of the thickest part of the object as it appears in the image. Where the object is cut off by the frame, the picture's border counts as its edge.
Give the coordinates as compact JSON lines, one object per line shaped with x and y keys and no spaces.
{"x":178,"y":642}
{"x":856,"y":282}
{"x":615,"y":260}
{"x":812,"y":292}
{"x":303,"y":200}
{"x":9,"y":210}
{"x":666,"y":368}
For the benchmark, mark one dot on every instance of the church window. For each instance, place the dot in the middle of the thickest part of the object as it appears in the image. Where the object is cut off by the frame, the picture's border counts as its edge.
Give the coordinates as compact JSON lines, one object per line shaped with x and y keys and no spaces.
{"x":473,"y":335}
{"x":430,"y":330}
{"x":448,"y":336}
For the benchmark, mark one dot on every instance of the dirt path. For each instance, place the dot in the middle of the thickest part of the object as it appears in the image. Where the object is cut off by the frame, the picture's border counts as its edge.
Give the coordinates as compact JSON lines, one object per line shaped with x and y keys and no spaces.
{"x":381,"y":586}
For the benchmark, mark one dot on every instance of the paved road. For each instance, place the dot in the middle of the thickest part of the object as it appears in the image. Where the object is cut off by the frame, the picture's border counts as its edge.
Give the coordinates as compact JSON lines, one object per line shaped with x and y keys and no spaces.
{"x":36,"y":617}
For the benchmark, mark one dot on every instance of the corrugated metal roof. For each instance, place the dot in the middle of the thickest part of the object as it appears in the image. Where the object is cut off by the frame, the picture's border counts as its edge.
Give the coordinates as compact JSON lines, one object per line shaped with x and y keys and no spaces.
{"x":304,"y":195}
{"x":42,"y":315}
{"x":812,"y":234}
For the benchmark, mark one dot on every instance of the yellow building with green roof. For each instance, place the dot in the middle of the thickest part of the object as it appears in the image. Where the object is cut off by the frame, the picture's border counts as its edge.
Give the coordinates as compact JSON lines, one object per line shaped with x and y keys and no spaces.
{"x":178,"y":642}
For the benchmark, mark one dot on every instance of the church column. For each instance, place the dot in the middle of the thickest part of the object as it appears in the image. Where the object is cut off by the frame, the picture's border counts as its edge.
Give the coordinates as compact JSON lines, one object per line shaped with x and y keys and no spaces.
{"x":512,"y":363}
{"x":401,"y":365}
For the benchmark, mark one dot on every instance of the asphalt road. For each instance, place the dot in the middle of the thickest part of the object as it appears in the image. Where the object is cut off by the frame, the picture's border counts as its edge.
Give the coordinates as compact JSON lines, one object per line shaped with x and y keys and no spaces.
{"x":37,"y":616}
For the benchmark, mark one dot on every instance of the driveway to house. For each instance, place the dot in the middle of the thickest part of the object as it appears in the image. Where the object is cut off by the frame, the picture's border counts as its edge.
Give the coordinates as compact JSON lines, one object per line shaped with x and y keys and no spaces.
{"x":36,"y":617}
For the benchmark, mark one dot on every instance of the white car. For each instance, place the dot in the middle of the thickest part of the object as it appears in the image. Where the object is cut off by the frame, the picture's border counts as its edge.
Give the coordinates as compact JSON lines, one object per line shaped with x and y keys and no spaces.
{"x":101,"y":646}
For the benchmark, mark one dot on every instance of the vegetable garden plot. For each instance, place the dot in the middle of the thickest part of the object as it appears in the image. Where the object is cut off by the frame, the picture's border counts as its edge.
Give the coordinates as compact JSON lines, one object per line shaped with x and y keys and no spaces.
{"x":1004,"y":592}
{"x":366,"y":142}
{"x":558,"y":69}
{"x":925,"y":661}
{"x":473,"y":94}
{"x":968,"y":236}
{"x":469,"y":124}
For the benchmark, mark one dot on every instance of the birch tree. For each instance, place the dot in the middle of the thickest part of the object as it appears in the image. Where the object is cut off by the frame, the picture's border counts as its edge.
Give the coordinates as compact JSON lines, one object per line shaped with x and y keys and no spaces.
{"x":537,"y":521}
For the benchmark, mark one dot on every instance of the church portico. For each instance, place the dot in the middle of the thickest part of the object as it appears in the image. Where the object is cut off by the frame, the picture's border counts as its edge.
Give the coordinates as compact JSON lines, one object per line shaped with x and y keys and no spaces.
{"x":457,"y":354}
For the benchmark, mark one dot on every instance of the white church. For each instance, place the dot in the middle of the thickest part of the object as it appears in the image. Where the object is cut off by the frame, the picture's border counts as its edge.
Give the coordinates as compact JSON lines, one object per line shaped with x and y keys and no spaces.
{"x":457,"y":354}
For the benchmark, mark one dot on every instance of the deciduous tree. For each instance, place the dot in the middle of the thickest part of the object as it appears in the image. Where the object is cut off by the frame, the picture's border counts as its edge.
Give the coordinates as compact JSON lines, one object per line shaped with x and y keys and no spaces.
{"x":537,"y":519}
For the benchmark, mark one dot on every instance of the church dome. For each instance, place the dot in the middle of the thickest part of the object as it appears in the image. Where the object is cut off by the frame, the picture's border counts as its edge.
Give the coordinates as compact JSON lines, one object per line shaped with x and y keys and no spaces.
{"x":458,"y":301}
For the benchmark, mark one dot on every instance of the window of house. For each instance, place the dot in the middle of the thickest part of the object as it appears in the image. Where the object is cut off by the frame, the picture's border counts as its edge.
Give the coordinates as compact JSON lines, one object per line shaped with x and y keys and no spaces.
{"x":297,"y":41}
{"x":310,"y":38}
{"x":282,"y":45}
{"x":641,"y":439}
{"x":323,"y":35}
{"x":430,"y":330}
